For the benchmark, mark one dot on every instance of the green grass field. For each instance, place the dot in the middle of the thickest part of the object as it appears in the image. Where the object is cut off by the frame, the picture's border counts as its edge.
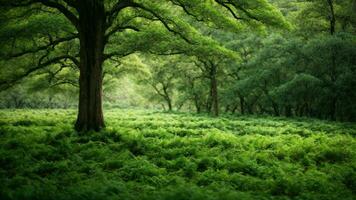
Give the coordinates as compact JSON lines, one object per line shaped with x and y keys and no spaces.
{"x":153,"y":155}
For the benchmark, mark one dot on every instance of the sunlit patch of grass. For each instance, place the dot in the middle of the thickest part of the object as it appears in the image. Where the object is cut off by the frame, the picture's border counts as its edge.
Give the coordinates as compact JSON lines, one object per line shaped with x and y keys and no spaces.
{"x":151,"y":155}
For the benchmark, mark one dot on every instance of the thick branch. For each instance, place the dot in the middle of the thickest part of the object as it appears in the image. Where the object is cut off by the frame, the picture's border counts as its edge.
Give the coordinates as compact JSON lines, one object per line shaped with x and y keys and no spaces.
{"x":157,"y":90}
{"x":230,"y":10}
{"x":186,"y":10}
{"x":72,"y":3}
{"x":113,"y":54}
{"x":5,"y":84}
{"x":247,"y":13}
{"x":10,"y":4}
{"x":52,"y":4}
{"x":52,"y":44}
{"x":167,"y":53}
{"x":119,"y":28}
{"x":112,"y":14}
{"x":64,"y":82}
{"x":61,"y":8}
{"x":163,"y":21}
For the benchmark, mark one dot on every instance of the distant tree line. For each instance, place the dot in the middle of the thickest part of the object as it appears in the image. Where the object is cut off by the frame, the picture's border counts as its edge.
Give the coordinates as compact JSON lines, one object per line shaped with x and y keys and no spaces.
{"x":309,"y":71}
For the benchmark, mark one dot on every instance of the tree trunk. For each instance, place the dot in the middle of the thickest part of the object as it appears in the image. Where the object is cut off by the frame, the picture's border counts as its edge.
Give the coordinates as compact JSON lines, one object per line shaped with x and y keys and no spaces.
{"x":242,"y":105}
{"x":275,"y":108}
{"x":288,"y":111}
{"x":91,"y":33}
{"x":233,"y":111}
{"x":273,"y":103}
{"x":167,"y":98}
{"x":227,"y":108}
{"x":332,"y":18}
{"x":249,"y":108}
{"x":197,"y":104}
{"x":208,"y":103}
{"x":214,"y":91}
{"x":169,"y":103}
{"x":333,"y":74}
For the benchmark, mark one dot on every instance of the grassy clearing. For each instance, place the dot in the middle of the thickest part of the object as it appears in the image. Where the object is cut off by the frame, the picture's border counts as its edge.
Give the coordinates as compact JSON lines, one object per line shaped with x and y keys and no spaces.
{"x":152,"y":155}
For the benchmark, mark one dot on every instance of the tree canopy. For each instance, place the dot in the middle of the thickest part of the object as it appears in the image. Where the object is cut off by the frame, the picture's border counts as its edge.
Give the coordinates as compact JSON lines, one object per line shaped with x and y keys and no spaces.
{"x":275,"y":57}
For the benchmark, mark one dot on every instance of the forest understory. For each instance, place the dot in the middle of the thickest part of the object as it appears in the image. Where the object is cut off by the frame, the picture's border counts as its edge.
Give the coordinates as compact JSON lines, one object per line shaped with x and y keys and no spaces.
{"x":146,"y":154}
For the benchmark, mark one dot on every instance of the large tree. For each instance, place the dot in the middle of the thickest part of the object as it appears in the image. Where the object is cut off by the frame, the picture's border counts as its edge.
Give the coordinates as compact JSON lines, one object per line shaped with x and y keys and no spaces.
{"x":98,"y":30}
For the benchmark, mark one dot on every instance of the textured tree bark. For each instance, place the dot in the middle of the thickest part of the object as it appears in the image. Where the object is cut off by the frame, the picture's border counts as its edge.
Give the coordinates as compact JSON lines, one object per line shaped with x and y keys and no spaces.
{"x":92,"y":42}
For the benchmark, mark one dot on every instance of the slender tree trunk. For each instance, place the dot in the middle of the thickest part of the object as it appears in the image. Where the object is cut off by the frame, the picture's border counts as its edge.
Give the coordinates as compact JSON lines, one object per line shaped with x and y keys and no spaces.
{"x":197,"y":104}
{"x":163,"y":107}
{"x":275,"y":108}
{"x":273,"y":103}
{"x":333,"y":75}
{"x":242,"y":105}
{"x":296,"y":109}
{"x":169,"y":103}
{"x":233,"y":111}
{"x":91,"y":33}
{"x":332,"y":18}
{"x":214,"y":90}
{"x":288,"y":111}
{"x":208,"y":104}
{"x":249,"y":108}
{"x":227,"y":108}
{"x":167,"y":97}
{"x":198,"y":109}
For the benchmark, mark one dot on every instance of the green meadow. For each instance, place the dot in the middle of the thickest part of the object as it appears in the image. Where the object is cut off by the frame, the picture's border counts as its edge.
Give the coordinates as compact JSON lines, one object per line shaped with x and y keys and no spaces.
{"x":155,"y":155}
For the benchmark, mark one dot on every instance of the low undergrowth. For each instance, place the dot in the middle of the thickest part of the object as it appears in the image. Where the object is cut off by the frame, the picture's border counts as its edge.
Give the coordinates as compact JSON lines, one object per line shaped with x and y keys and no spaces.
{"x":152,"y":155}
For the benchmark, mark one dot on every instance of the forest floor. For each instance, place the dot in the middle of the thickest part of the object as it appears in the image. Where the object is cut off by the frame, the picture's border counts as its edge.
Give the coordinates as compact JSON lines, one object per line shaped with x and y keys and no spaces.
{"x":153,"y":155}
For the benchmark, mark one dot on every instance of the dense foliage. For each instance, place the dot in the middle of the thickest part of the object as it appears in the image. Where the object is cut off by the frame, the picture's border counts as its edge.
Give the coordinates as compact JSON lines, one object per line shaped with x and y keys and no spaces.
{"x":271,"y":69}
{"x":153,"y":155}
{"x":213,"y":57}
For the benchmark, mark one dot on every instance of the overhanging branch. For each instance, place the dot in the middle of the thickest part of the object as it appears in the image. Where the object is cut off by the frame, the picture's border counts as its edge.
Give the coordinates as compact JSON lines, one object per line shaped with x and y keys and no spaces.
{"x":120,"y":54}
{"x":163,"y":21}
{"x":119,"y":28}
{"x":186,"y":10}
{"x":225,"y":5}
{"x":5,"y":84}
{"x":112,"y":14}
{"x":48,"y":3}
{"x":239,"y":7}
{"x":52,"y":44}
{"x":61,"y":8}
